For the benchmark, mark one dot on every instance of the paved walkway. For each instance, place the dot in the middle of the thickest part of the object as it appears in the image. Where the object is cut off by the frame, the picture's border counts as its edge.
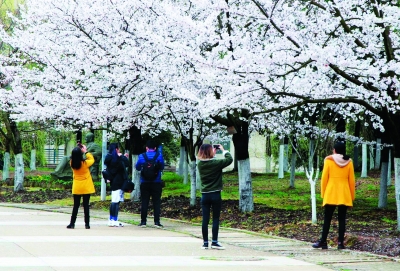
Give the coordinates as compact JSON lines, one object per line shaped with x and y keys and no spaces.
{"x":34,"y":237}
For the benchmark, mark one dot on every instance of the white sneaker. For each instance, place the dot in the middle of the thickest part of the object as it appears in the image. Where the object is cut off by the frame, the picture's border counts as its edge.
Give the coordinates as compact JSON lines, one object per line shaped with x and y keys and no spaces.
{"x":117,"y":224}
{"x":217,"y":246}
{"x":110,"y":223}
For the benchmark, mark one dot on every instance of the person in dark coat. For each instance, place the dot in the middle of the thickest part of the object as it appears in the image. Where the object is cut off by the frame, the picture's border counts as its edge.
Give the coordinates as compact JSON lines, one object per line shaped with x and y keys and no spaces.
{"x":116,"y":163}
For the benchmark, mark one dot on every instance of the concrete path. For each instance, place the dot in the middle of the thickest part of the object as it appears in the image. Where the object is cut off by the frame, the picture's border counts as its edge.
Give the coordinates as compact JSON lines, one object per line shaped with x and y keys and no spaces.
{"x":34,"y":237}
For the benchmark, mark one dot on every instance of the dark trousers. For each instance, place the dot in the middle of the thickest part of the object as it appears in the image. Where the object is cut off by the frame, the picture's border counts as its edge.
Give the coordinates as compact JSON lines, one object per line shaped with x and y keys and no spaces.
{"x":77,"y":203}
{"x":211,"y":200}
{"x":329,"y":209}
{"x":153,"y":190}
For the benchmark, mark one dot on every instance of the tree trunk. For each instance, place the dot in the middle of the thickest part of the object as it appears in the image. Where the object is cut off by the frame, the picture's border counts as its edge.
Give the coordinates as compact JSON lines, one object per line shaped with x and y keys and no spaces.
{"x":313,"y":203}
{"x":6,"y":166}
{"x":311,"y":151}
{"x":397,"y":188}
{"x":356,"y":147}
{"x":293,"y":169}
{"x":286,"y":154}
{"x":19,"y":173}
{"x":33,"y":160}
{"x":281,"y":161}
{"x":383,"y":186}
{"x":135,"y":194}
{"x":182,"y":158}
{"x":389,"y":175}
{"x":246,"y":203}
{"x":185,"y":172}
{"x":371,"y":157}
{"x":193,"y":183}
{"x":378,"y":153}
{"x":364,"y":161}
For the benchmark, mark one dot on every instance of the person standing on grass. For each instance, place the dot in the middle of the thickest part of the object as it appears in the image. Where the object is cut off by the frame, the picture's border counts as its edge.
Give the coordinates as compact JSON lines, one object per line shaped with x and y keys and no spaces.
{"x":210,"y":171}
{"x":150,"y":164}
{"x":337,"y":190}
{"x":116,"y":163}
{"x":82,"y":183}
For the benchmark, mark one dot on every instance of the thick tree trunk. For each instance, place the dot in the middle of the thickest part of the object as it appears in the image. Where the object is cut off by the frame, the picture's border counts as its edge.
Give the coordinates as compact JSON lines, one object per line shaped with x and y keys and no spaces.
{"x":286,"y":154}
{"x":193,"y":167}
{"x":364,"y":161}
{"x":185,"y":172}
{"x":246,"y":203}
{"x":6,"y":166}
{"x":33,"y":160}
{"x":19,"y":173}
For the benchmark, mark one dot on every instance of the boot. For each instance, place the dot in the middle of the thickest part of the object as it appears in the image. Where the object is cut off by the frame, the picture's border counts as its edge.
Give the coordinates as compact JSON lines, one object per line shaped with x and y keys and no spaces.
{"x":72,"y":223}
{"x":87,"y":220}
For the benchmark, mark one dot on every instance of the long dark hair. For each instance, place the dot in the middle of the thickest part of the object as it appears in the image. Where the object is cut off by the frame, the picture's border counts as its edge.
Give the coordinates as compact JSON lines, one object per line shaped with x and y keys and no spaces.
{"x":76,"y":158}
{"x":112,"y":149}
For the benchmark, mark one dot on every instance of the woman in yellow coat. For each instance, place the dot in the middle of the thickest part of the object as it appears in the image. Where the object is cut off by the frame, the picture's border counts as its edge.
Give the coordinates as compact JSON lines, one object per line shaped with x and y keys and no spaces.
{"x":337,"y":189}
{"x":82,"y":184}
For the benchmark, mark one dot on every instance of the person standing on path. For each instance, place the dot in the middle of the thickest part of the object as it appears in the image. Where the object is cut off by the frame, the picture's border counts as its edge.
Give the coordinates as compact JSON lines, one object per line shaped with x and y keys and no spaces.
{"x":210,"y":171}
{"x":116,"y":164}
{"x":337,"y":189}
{"x":150,"y":163}
{"x":82,"y":183}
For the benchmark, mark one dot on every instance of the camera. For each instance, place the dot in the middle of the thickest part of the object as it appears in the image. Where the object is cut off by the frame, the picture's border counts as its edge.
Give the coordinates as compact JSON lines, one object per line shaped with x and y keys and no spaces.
{"x":216,"y":146}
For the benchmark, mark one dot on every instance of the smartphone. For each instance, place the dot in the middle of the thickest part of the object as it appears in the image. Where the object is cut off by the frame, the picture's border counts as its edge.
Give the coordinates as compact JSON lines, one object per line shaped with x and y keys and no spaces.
{"x":216,"y":146}
{"x":79,"y":145}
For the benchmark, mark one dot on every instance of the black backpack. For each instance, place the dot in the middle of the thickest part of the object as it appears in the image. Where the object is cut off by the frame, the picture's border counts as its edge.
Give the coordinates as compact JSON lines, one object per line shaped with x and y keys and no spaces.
{"x":150,"y":168}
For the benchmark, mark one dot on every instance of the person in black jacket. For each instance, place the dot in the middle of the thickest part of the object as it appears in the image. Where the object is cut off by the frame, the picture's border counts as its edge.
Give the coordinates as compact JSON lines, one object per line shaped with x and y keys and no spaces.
{"x":116,"y":163}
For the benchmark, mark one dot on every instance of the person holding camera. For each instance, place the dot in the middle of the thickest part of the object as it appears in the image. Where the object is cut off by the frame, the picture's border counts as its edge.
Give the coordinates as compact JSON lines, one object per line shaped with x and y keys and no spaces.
{"x":150,"y":164}
{"x":82,"y":183}
{"x":210,"y":171}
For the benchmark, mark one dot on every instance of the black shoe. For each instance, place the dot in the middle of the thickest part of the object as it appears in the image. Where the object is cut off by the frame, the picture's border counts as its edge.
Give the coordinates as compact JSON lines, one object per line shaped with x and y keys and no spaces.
{"x":205,"y":246}
{"x":142,"y":224}
{"x":158,"y":225}
{"x":87,"y":227}
{"x":340,"y":245}
{"x":71,"y":226}
{"x":217,"y":246}
{"x":320,"y":244}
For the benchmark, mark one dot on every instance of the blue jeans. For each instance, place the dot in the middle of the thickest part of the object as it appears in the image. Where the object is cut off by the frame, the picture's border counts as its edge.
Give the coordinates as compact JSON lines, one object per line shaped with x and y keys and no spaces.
{"x":211,"y":200}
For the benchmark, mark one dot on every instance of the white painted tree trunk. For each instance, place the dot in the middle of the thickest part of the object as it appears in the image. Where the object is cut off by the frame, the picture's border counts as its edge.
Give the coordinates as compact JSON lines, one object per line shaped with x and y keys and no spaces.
{"x":33,"y":160}
{"x":268,"y":167}
{"x":6,"y":166}
{"x":293,"y":169}
{"x":135,"y":194}
{"x":378,"y":154}
{"x":246,"y":203}
{"x":182,"y":160}
{"x":313,"y":180}
{"x":281,"y":161}
{"x":19,"y":173}
{"x":389,"y":174}
{"x":397,"y":188}
{"x":103,"y":186}
{"x":364,"y":161}
{"x":286,"y":158}
{"x":193,"y":171}
{"x":371,"y":157}
{"x":383,"y":186}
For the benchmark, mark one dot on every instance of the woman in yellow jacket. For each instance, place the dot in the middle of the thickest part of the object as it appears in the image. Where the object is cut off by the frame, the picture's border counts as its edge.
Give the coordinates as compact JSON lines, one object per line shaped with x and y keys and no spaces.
{"x":82,"y":184}
{"x":337,"y":189}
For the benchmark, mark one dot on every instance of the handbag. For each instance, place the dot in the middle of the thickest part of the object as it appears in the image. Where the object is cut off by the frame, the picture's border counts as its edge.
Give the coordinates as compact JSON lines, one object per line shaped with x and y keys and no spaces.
{"x":128,"y":186}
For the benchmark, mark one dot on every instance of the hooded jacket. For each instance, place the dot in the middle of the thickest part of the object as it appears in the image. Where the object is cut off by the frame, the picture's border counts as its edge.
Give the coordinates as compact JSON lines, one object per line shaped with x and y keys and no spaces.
{"x":338,"y":181}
